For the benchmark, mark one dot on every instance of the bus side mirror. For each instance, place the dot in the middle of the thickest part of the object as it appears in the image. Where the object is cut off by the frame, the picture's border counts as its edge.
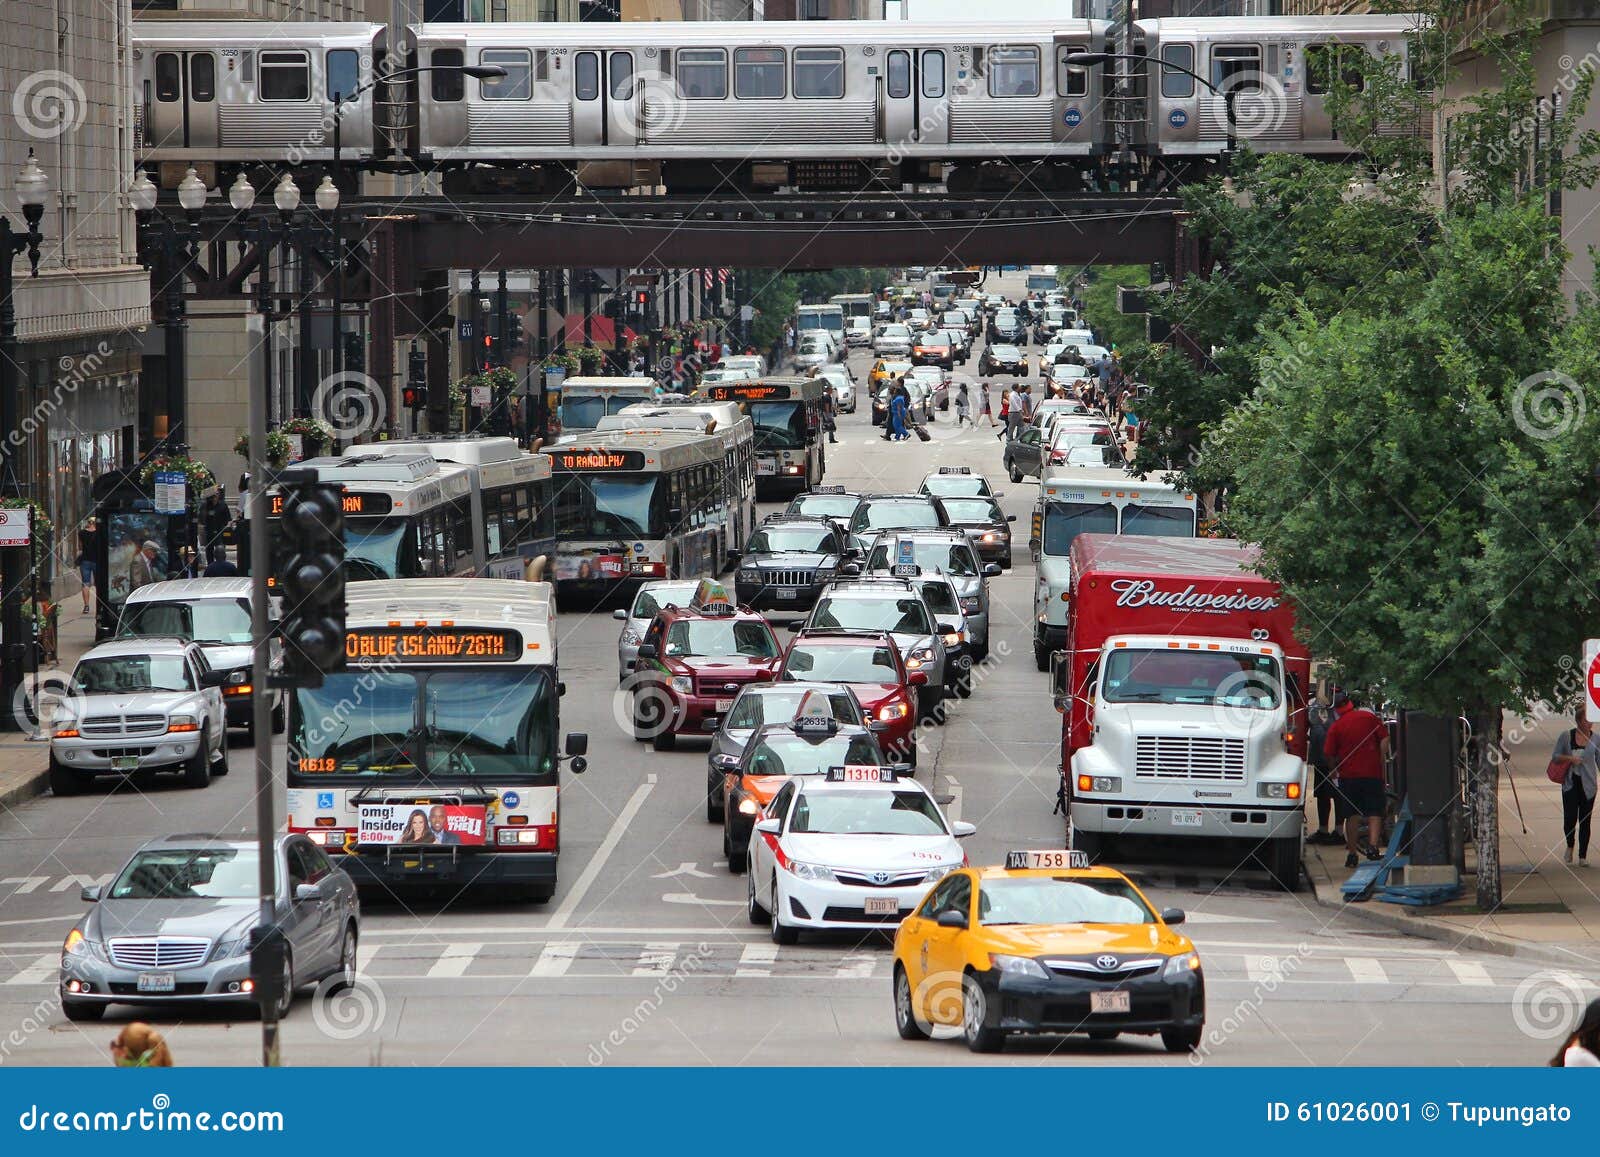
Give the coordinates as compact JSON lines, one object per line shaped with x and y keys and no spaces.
{"x":577,"y":743}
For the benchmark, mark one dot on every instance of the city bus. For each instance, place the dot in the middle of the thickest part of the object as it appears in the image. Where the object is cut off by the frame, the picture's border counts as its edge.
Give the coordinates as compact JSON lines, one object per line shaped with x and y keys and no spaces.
{"x":634,"y":505}
{"x":435,"y":508}
{"x":1043,"y":281}
{"x":432,"y":757}
{"x":854,"y":304}
{"x":584,"y":401}
{"x":826,"y":317}
{"x":791,"y":444}
{"x":1075,"y":500}
{"x":720,"y":420}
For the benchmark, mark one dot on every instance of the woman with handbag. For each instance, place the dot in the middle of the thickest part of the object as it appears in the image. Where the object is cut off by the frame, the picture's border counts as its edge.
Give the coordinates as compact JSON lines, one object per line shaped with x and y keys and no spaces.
{"x":1573,"y":766}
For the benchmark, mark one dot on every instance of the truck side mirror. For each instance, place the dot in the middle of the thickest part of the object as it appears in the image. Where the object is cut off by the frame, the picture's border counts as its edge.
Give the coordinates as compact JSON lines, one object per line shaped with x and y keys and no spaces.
{"x":1060,"y":678}
{"x":648,"y":651}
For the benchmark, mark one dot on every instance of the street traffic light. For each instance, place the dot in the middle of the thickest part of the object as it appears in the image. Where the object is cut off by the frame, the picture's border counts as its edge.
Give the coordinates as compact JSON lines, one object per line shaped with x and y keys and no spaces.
{"x":414,"y":394}
{"x":312,"y":582}
{"x":514,"y":335}
{"x":491,"y":350}
{"x":413,"y":397}
{"x":355,"y":353}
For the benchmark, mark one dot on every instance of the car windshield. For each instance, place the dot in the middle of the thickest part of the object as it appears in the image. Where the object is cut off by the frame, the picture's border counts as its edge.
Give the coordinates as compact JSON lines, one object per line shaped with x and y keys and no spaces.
{"x":930,"y":340}
{"x":779,"y":425}
{"x":896,"y":331}
{"x":1064,"y":521}
{"x":867,"y":813}
{"x":941,"y":598}
{"x":748,"y":637}
{"x":1065,"y":436}
{"x":948,"y":557}
{"x":1061,"y":900}
{"x":777,"y":539}
{"x":908,"y":513}
{"x":973,"y":510}
{"x":825,"y":505}
{"x":1201,"y":678}
{"x":841,"y":664}
{"x":780,"y":753}
{"x":412,"y":724}
{"x":202,"y":620}
{"x":131,"y":674}
{"x":768,"y":704}
{"x":652,"y":599}
{"x":1158,"y":521}
{"x":189,"y":874}
{"x":897,"y":614}
{"x":1005,"y":351}
{"x":956,"y":484}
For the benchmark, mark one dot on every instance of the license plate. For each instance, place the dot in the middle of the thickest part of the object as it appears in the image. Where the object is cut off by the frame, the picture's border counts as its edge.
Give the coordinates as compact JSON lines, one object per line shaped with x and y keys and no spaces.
{"x":124,"y":763}
{"x":766,"y":467}
{"x":157,"y":982}
{"x":1118,"y":1001}
{"x":724,"y":705}
{"x":1183,"y":818}
{"x":788,"y":592}
{"x":882,"y":905}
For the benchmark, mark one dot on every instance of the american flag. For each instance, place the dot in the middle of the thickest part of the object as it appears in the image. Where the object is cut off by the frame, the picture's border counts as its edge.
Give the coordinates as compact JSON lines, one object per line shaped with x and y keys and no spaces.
{"x":720,"y":276}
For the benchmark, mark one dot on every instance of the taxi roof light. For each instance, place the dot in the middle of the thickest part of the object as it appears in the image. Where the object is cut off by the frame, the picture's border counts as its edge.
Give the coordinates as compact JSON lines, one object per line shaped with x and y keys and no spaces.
{"x":1070,"y":858}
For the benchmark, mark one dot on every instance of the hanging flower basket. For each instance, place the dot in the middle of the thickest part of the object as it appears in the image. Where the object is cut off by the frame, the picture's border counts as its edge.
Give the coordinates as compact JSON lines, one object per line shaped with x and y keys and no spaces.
{"x":589,"y":356}
{"x":566,"y":362}
{"x":278,"y":449}
{"x":314,"y":432}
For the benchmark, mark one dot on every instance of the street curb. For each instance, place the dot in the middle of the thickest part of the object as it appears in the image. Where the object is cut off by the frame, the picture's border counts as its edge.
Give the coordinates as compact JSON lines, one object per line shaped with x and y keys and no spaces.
{"x":35,"y":785}
{"x":1425,"y":929}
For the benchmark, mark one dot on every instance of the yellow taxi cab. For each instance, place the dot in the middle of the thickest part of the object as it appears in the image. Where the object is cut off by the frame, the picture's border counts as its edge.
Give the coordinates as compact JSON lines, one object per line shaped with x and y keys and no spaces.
{"x":1045,"y":944}
{"x":886,"y":370}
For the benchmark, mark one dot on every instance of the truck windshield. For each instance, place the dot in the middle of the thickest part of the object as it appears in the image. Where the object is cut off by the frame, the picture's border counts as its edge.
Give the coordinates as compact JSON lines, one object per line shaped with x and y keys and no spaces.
{"x":1158,"y":521}
{"x":1202,"y":678}
{"x":1064,"y":521}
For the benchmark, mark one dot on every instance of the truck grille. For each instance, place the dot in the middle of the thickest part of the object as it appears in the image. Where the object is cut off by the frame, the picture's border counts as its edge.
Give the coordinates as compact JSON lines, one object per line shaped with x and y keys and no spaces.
{"x":159,"y":951}
{"x":121,"y":726}
{"x":787,"y":578}
{"x":723,"y":685}
{"x":1189,"y":757}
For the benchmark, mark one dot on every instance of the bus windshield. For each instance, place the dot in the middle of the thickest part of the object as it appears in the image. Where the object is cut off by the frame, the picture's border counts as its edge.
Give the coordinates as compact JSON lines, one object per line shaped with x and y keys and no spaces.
{"x":584,"y":411}
{"x":610,"y":505}
{"x":1064,"y":521}
{"x":779,"y":425}
{"x":1199,"y":678}
{"x":438,"y":725}
{"x":1158,"y":521}
{"x":372,"y":550}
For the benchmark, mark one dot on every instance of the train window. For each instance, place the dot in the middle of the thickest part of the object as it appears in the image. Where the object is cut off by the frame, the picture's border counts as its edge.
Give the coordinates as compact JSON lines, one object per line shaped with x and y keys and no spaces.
{"x":1014,"y":71}
{"x":1320,"y":62}
{"x":621,"y":69}
{"x":1236,"y":66}
{"x":169,"y":77}
{"x":933,"y":73}
{"x":819,"y":73}
{"x":344,"y":73}
{"x":202,"y":78}
{"x":285,"y":76}
{"x":586,"y":75}
{"x":449,"y":82}
{"x":702,"y":73}
{"x":1070,"y":81}
{"x":1174,"y":82}
{"x":758,"y":73}
{"x":899,"y":75}
{"x":517,"y":83}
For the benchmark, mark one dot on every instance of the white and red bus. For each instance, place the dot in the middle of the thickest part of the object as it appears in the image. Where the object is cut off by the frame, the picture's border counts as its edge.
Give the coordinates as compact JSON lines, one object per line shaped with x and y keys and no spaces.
{"x":432,"y":758}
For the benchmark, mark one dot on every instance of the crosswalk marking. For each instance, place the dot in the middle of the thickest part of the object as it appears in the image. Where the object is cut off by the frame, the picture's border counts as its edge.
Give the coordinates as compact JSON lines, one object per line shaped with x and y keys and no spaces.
{"x":41,"y":971}
{"x":455,"y":961}
{"x":756,"y":960}
{"x":364,"y":954}
{"x":1263,"y":968}
{"x":1470,"y":972}
{"x":1366,"y":970}
{"x":656,"y":959}
{"x":856,"y":966}
{"x":555,"y":959}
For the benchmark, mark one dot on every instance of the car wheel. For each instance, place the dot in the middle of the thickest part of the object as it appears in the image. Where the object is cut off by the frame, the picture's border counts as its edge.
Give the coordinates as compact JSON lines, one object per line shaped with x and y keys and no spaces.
{"x":80,"y":1010}
{"x":1182,"y":1040}
{"x":219,"y":766}
{"x":197,"y":772}
{"x":756,"y":914}
{"x":663,"y":740}
{"x":713,"y":804}
{"x":345,"y":974}
{"x":781,"y":932}
{"x":286,"y":998}
{"x":975,"y":1017}
{"x":905,"y":1016}
{"x":738,"y":858}
{"x":64,"y":782}
{"x":1015,"y":474}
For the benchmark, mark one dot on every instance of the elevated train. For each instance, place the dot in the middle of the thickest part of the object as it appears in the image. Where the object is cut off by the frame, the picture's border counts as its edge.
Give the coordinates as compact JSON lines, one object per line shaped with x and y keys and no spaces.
{"x":749,"y":106}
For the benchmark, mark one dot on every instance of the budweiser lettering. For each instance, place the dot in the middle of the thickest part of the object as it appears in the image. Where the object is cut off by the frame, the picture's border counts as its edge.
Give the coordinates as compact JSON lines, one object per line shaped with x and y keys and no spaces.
{"x":1144,"y":593}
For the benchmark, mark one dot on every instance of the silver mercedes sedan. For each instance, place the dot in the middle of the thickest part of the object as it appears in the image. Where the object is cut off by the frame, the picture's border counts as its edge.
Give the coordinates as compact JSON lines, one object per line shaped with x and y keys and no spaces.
{"x":173,"y":926}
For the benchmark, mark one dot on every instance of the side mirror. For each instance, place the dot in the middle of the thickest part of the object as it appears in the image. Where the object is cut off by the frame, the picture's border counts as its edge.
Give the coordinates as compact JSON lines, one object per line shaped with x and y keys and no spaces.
{"x":648,"y":651}
{"x":770,"y":827}
{"x":90,"y":895}
{"x":950,"y":918}
{"x":992,"y":569}
{"x":675,"y":514}
{"x":1172,"y":917}
{"x":620,"y":614}
{"x":902,"y":769}
{"x":850,"y":569}
{"x":961,"y":829}
{"x":878,"y":725}
{"x":577,"y":743}
{"x":794,"y":625}
{"x":1011,"y":518}
{"x":947,"y":627}
{"x":736,"y":555}
{"x":213,"y":678}
{"x":917,"y":679}
{"x":307,"y":892}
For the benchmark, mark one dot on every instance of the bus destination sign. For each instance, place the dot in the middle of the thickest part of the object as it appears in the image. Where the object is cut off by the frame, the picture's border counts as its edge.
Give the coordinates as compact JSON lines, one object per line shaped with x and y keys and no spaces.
{"x":354,"y":502}
{"x":598,"y":459}
{"x":748,"y":392}
{"x":367,"y":645}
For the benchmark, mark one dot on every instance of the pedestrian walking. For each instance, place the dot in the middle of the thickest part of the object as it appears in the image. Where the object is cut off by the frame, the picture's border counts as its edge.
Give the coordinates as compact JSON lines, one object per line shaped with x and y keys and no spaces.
{"x":962,"y":404}
{"x":899,"y":407}
{"x":138,"y":1046}
{"x":89,"y":551}
{"x":189,"y":566}
{"x":1581,"y":1050}
{"x":985,"y":407}
{"x":1356,"y":747}
{"x":1319,"y":717}
{"x":830,"y":413}
{"x":1575,"y":758}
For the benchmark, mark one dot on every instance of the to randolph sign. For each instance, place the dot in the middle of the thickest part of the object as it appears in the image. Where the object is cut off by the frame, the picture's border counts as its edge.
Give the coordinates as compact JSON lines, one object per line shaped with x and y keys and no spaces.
{"x":16,"y":526}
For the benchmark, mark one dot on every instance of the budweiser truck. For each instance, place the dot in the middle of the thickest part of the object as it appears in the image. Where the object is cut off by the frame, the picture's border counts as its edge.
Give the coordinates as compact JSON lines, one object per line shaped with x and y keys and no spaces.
{"x":1182,"y":689}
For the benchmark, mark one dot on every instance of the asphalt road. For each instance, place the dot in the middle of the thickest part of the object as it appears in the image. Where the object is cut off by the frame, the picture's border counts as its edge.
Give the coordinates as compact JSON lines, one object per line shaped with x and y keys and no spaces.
{"x":645,"y":957}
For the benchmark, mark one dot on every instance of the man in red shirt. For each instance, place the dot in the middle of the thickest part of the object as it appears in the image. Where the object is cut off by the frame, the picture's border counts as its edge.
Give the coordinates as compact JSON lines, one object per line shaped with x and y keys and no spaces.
{"x":1357,"y":747}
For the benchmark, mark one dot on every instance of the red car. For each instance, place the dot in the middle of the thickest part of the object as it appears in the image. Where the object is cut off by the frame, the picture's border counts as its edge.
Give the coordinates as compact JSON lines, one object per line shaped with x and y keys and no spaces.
{"x":870,"y":664}
{"x":692,"y":662}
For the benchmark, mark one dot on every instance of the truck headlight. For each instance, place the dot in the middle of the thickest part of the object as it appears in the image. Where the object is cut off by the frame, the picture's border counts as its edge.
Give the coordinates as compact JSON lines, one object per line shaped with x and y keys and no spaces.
{"x":1278,"y":790}
{"x":1104,"y":783}
{"x":1018,"y":966}
{"x":182,"y":723}
{"x":1180,"y":964}
{"x":683,"y":685}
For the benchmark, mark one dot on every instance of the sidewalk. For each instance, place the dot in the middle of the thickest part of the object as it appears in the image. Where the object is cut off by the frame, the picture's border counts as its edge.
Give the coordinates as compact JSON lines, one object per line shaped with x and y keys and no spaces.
{"x":24,"y":761}
{"x":1550,"y":910}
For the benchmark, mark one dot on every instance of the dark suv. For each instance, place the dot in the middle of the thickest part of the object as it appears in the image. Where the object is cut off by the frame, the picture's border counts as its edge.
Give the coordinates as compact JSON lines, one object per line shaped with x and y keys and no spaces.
{"x":1007,"y":326}
{"x":788,"y":559}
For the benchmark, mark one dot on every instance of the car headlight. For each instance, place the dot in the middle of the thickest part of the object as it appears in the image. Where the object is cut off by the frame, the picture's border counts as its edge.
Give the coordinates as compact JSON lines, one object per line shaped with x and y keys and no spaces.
{"x":77,"y":944}
{"x":939,"y":873}
{"x":809,"y":871}
{"x":683,"y":685}
{"x":1278,"y":790}
{"x":922,"y":654}
{"x":746,"y":574}
{"x":1180,"y":964}
{"x":748,"y":807}
{"x":630,"y":638}
{"x":970,"y":606}
{"x":182,"y":723}
{"x":893,"y":711}
{"x":1018,"y":966}
{"x":990,"y":536}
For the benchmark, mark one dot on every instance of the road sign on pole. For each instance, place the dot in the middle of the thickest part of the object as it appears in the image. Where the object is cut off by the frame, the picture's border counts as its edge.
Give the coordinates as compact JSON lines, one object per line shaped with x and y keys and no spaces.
{"x":16,"y":526}
{"x":1591,"y":679}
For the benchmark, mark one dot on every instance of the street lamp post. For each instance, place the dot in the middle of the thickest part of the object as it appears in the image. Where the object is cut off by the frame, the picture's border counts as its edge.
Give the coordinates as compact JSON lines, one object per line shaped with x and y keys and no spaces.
{"x":327,"y":199}
{"x":1090,"y":59}
{"x":169,"y":248}
{"x":32,"y":186}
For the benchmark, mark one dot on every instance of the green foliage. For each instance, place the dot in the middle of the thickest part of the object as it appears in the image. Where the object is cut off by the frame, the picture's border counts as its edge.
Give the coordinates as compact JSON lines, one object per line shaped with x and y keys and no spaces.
{"x":1100,"y":303}
{"x":777,"y":293}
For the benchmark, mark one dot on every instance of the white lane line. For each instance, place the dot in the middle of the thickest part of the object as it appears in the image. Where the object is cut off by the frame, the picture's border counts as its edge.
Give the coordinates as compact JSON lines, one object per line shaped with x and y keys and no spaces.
{"x":597,"y":862}
{"x":1366,"y":970}
{"x":856,"y":966}
{"x":364,"y":954}
{"x":656,"y":959}
{"x":1263,"y":968}
{"x":555,"y":959}
{"x":756,"y":960}
{"x":954,"y":810}
{"x":1470,"y":972}
{"x":41,"y":971}
{"x":455,"y":960}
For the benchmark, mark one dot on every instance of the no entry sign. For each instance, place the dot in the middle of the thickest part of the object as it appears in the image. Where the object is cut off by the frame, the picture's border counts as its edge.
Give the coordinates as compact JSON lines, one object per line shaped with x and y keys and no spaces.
{"x":1591,"y":679}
